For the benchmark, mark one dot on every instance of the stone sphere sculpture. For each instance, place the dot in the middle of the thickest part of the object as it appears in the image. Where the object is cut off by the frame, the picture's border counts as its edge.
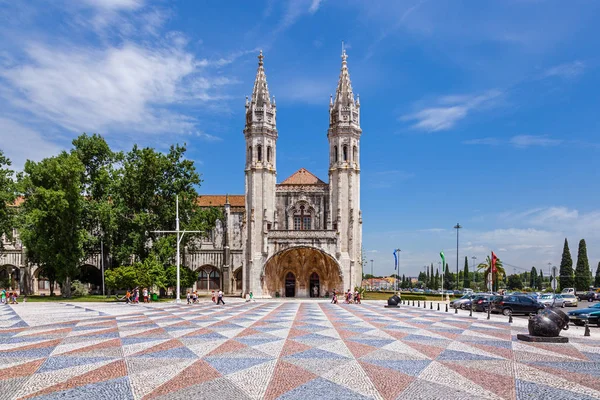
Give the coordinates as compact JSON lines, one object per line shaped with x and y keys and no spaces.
{"x":548,"y":322}
{"x":394,"y":300}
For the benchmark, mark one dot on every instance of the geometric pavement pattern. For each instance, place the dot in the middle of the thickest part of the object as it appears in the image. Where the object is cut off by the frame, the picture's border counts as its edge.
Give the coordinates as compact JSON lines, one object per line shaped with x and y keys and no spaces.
{"x":283,"y":350}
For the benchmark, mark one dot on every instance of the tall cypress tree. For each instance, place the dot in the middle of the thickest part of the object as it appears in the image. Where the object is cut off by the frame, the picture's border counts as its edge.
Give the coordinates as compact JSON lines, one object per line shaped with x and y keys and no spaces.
{"x":533,"y":278}
{"x":428,"y":277}
{"x":447,"y":278}
{"x":431,"y":278}
{"x":566,"y":268}
{"x":597,"y":280}
{"x":582,"y":271}
{"x":437,"y":280}
{"x":466,"y":277}
{"x":540,"y":280}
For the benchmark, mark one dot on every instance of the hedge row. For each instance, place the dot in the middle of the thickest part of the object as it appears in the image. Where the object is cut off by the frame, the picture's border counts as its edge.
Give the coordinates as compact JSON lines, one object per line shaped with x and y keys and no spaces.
{"x":413,"y":297}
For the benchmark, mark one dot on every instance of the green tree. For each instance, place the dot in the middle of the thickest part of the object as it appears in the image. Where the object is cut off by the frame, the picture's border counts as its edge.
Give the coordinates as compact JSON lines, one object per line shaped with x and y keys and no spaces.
{"x":540,"y":280}
{"x":431,"y":278}
{"x":7,"y":199}
{"x":98,"y":178}
{"x":566,"y":268}
{"x":466,"y":275}
{"x":582,"y":271}
{"x":515,"y":282}
{"x":533,"y":276}
{"x":448,"y":280}
{"x":52,"y":229}
{"x":486,"y":268}
{"x":187,"y":276}
{"x":597,"y":279}
{"x":151,"y":273}
{"x":437,"y":280}
{"x":123,"y":277}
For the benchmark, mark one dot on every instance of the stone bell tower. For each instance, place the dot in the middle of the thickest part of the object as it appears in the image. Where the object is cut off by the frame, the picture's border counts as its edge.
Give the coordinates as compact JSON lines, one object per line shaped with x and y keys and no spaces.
{"x":261,"y":139}
{"x":344,"y":176}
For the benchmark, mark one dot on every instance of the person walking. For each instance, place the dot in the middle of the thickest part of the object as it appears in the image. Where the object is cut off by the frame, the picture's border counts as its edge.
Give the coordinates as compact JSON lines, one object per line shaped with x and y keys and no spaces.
{"x":188,"y":297}
{"x":145,"y":291}
{"x":214,"y":300}
{"x":4,"y":296}
{"x":220,"y":298}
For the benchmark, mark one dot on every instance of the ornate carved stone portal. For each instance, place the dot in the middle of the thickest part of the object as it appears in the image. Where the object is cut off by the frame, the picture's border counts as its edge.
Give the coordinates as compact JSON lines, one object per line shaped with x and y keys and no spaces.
{"x":301,"y":272}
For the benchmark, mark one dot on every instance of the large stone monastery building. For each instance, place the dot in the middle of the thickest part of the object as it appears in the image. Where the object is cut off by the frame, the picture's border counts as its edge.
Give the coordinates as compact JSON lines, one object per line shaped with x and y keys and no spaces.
{"x":298,"y":238}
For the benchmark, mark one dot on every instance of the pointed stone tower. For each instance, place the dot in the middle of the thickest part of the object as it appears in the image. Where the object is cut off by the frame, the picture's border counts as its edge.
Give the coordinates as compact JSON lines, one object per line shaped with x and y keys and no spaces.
{"x":344,"y":176}
{"x":261,"y":139}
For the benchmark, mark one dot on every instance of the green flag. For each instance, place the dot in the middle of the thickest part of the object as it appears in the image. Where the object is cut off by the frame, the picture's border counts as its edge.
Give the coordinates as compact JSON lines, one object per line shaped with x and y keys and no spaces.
{"x":443,"y":259}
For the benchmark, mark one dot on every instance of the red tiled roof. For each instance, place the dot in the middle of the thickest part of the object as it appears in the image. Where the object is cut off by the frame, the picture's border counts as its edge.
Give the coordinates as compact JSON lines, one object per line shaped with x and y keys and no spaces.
{"x":218,"y":200}
{"x":302,"y":177}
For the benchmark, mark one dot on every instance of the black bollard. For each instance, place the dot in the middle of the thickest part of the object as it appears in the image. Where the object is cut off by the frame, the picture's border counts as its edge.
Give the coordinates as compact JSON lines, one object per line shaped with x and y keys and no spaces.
{"x":431,"y":305}
{"x":587,"y":329}
{"x":455,"y":310}
{"x":419,"y":303}
{"x":446,"y":307}
{"x":413,"y":303}
{"x":424,"y":304}
{"x":438,"y":306}
{"x":510,"y":320}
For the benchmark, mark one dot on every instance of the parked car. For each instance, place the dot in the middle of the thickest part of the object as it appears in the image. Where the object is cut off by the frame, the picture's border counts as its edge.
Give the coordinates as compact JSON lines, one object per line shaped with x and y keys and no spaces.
{"x":481,"y":302}
{"x":590,"y":314}
{"x":570,"y":300}
{"x":590,"y":296}
{"x":552,"y":300}
{"x":569,"y":290}
{"x":459,"y":303}
{"x":517,"y":304}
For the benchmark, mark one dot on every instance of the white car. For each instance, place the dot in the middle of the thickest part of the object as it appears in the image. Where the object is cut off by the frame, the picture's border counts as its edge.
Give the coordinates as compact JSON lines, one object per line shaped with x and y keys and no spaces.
{"x":552,"y":300}
{"x":570,"y":300}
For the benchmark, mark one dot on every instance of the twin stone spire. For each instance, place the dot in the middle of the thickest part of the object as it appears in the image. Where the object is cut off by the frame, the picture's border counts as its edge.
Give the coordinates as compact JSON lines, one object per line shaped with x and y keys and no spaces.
{"x":261,"y":108}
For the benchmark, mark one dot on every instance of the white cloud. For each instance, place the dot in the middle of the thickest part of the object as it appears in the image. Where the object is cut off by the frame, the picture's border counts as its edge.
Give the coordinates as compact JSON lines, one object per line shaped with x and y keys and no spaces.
{"x":485,"y":141}
{"x":128,"y":87}
{"x":21,"y":143}
{"x":115,"y":5}
{"x":449,"y":110}
{"x":568,"y":70}
{"x":520,"y":141}
{"x":314,"y":6}
{"x":531,"y":140}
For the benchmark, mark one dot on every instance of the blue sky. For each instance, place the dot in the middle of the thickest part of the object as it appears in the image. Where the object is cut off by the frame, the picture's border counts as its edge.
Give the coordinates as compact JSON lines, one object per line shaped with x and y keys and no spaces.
{"x":483,"y":113}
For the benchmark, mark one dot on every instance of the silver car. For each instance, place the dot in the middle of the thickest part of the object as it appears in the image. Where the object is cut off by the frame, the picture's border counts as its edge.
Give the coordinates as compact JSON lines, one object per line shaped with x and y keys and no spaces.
{"x":552,"y":300}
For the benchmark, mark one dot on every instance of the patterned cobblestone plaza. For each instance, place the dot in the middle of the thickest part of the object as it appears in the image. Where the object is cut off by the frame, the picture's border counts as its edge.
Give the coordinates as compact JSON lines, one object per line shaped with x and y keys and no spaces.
{"x":280,"y":350}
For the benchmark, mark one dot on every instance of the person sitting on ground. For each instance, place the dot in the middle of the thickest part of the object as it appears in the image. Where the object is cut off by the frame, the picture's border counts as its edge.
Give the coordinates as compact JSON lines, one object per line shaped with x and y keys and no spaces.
{"x":334,"y":298}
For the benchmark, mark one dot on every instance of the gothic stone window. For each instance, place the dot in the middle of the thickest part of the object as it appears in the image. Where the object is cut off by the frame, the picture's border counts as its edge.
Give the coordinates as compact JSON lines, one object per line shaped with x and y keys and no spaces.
{"x":268,"y":153}
{"x":259,"y":152}
{"x":345,"y":152}
{"x":354,"y":154}
{"x":335,"y":153}
{"x":302,"y":220}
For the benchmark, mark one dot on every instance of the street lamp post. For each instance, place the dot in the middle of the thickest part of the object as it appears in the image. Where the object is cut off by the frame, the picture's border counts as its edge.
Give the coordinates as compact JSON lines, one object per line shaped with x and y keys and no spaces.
{"x":102,"y":264}
{"x":179,"y":239}
{"x":473,"y":268}
{"x":457,"y":227}
{"x":397,"y":251}
{"x":371,"y":275}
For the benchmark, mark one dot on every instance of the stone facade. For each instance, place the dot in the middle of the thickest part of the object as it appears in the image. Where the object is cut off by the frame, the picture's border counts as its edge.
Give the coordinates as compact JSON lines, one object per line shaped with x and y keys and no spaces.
{"x":301,"y":237}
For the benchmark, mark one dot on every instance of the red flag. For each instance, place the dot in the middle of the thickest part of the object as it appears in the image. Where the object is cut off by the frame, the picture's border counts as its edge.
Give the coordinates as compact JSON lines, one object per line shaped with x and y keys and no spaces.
{"x":494,"y":258}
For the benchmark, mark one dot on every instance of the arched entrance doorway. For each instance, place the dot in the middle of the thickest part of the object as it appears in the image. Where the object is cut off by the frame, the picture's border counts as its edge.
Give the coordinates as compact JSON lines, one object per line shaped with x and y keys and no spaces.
{"x":290,"y":285}
{"x":209,"y":278}
{"x":315,"y":273}
{"x":314,"y":285}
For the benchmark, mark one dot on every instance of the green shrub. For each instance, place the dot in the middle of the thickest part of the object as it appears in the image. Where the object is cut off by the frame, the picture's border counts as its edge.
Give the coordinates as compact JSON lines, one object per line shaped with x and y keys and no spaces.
{"x":413,"y":297}
{"x":79,"y":289}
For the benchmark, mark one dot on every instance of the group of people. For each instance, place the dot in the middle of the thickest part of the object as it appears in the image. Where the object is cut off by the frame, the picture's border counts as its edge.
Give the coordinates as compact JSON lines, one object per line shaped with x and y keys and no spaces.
{"x":9,"y":297}
{"x":192,"y":297}
{"x":217,"y":297}
{"x":349,"y":297}
{"x":133,"y":296}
